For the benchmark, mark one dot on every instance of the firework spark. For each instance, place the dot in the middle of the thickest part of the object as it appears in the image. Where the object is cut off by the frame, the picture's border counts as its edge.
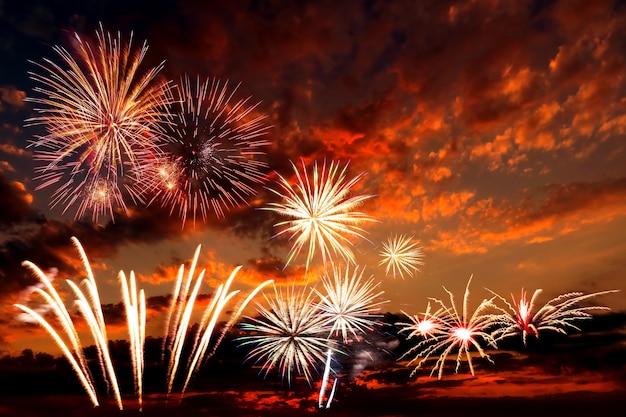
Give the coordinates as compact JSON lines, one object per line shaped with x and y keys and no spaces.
{"x":100,"y":114}
{"x":289,"y":334}
{"x":179,"y":316}
{"x":458,"y":330}
{"x":216,"y":158}
{"x":349,"y":303}
{"x":322,"y":212}
{"x":401,"y":255}
{"x":557,"y":315}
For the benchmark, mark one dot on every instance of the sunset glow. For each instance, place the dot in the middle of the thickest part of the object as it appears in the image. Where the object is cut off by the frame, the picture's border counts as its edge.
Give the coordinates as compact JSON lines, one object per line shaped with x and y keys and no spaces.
{"x":282,"y":202}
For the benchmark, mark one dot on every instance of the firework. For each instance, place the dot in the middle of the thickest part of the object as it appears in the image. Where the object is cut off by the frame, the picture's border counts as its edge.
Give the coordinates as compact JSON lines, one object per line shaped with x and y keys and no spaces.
{"x":557,"y":315}
{"x":88,"y":304}
{"x":289,"y":334}
{"x":458,"y":330}
{"x":322,"y":212}
{"x":322,"y":394}
{"x":135,"y":307}
{"x":428,"y":325}
{"x":179,"y":316}
{"x":349,"y":303}
{"x":72,"y":350}
{"x":216,"y":158}
{"x":100,"y":114}
{"x":401,"y":255}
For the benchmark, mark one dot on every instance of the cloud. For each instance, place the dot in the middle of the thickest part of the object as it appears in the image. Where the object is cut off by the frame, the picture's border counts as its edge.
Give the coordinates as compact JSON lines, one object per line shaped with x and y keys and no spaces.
{"x":561,"y":209}
{"x":11,"y":97}
{"x":15,"y":203}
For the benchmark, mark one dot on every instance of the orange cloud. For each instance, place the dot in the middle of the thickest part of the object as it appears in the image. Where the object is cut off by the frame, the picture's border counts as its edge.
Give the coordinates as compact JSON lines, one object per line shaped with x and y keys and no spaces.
{"x":11,"y":96}
{"x":566,"y":209}
{"x":445,"y":204}
{"x":13,"y":150}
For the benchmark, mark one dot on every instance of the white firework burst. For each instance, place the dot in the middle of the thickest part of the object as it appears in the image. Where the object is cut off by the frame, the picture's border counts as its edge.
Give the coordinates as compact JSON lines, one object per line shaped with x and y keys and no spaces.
{"x":401,"y":255}
{"x":289,"y":335}
{"x":349,"y":303}
{"x":322,"y":212}
{"x":100,"y":114}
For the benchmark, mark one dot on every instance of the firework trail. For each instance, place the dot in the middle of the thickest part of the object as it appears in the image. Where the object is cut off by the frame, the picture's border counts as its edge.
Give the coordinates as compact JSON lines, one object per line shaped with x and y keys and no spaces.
{"x":135,"y":307}
{"x":289,"y":335}
{"x":72,"y":350}
{"x":322,"y":212}
{"x":99,"y":114}
{"x":557,"y":315}
{"x":458,"y":330}
{"x":179,"y":316}
{"x":322,"y":394}
{"x":401,"y":255}
{"x":349,"y":303}
{"x":215,"y":160}
{"x":88,"y":304}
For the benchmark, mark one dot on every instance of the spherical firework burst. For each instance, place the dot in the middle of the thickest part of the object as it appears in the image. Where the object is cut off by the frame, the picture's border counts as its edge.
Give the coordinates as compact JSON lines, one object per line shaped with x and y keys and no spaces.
{"x":349,"y":303}
{"x":460,"y":331}
{"x":557,"y":315}
{"x":289,"y":334}
{"x":401,"y":255}
{"x":215,"y":160}
{"x":100,"y":114}
{"x":322,"y":212}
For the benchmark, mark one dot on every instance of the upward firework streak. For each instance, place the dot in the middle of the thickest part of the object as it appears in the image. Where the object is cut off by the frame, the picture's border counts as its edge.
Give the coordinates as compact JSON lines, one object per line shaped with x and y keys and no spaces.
{"x":322,"y":394}
{"x":88,"y":304}
{"x":456,"y":331}
{"x":557,"y":315}
{"x":99,"y":114}
{"x":72,"y":350}
{"x":179,"y":317}
{"x":215,"y":161}
{"x":349,"y":303}
{"x":290,"y":333}
{"x":322,"y":212}
{"x":135,"y":306}
{"x":401,"y":255}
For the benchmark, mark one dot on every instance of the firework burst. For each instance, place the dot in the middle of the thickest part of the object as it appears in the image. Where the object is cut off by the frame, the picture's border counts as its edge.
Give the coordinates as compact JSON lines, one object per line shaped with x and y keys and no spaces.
{"x":289,"y":334}
{"x":401,"y":255}
{"x":100,"y":114}
{"x":349,"y":303}
{"x":322,"y":212}
{"x":428,"y":325}
{"x":215,"y":159}
{"x":456,"y":330}
{"x":557,"y":315}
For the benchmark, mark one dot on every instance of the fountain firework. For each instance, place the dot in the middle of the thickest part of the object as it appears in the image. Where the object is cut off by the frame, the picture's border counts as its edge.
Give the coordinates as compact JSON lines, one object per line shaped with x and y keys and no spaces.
{"x":179,"y":316}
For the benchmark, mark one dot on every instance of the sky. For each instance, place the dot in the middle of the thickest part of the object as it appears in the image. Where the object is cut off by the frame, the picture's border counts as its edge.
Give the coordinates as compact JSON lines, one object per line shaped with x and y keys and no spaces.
{"x":491,"y":132}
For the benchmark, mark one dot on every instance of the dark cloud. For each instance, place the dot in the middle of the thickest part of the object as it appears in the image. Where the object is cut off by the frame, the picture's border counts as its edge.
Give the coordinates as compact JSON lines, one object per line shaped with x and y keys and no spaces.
{"x":15,"y":203}
{"x":563,"y":199}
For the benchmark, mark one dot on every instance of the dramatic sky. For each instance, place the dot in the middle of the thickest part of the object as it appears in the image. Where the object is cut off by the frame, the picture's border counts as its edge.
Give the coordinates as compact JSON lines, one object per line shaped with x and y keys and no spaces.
{"x":490,"y":131}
